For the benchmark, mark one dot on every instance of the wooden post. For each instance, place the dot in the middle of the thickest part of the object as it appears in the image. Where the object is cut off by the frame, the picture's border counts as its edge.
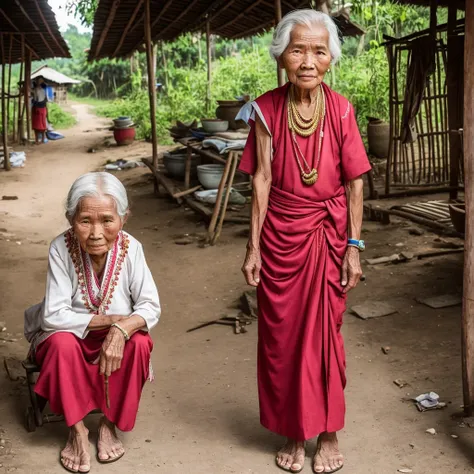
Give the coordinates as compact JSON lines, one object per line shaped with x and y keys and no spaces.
{"x":433,"y":17}
{"x":468,"y":296}
{"x":453,"y":80}
{"x":27,"y":92}
{"x":151,"y":82}
{"x":20,"y":81}
{"x":10,"y":37}
{"x":209,"y":67}
{"x":6,"y":155}
{"x":278,"y":16}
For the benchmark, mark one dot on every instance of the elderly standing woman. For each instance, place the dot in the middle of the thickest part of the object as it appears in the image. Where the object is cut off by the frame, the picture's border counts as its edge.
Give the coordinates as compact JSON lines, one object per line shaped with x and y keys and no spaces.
{"x":307,"y":158}
{"x":90,"y":335}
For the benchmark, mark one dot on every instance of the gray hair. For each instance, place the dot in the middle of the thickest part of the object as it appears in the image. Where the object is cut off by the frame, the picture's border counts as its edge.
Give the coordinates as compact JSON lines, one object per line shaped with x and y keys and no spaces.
{"x":96,"y":185}
{"x":309,"y":18}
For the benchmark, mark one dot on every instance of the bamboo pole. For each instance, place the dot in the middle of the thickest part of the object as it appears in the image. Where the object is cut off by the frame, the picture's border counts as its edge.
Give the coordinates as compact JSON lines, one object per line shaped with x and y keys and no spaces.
{"x":10,"y":37}
{"x":278,"y":16}
{"x":6,"y":155}
{"x":27,"y":93}
{"x":209,"y":67}
{"x":468,"y":296}
{"x":151,"y":82}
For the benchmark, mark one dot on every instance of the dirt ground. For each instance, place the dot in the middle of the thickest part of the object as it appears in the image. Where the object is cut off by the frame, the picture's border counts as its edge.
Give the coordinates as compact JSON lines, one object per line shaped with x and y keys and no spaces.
{"x":201,"y":413}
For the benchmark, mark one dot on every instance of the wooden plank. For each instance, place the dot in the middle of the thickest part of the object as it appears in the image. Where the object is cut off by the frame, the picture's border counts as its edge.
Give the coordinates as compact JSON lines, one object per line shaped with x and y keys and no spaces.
{"x":6,"y":153}
{"x":468,"y":295}
{"x":108,"y":24}
{"x":167,"y":183}
{"x":151,"y":82}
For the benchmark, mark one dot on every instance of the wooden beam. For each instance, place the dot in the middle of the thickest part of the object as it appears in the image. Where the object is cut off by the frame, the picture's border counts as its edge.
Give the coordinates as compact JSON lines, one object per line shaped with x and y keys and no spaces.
{"x":204,"y":17}
{"x":249,"y":32}
{"x":209,"y":67}
{"x":46,"y":24}
{"x":45,"y":41}
{"x":108,"y":24}
{"x":175,"y":20}
{"x":155,"y":21}
{"x":9,"y":79}
{"x":20,"y":80}
{"x":468,"y":291}
{"x":6,"y":155}
{"x":127,"y":28}
{"x":219,"y":12}
{"x":253,"y":5}
{"x":151,"y":83}
{"x":35,"y":26}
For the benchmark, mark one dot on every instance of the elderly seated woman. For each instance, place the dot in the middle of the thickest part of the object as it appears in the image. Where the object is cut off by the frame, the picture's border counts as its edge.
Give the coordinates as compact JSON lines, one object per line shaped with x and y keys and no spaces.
{"x":90,"y":335}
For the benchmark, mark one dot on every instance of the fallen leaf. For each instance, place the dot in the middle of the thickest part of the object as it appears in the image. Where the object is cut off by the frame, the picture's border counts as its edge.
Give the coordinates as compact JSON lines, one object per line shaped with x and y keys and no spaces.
{"x":431,"y":431}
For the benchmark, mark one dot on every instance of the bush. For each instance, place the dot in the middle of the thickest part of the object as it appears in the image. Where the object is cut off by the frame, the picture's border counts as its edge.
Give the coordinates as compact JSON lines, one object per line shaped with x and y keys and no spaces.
{"x":59,"y":118}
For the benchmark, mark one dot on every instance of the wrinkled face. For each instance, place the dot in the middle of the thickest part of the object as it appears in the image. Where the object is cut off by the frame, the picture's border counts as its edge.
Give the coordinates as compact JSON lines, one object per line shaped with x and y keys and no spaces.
{"x":97,"y":224}
{"x":307,"y":57}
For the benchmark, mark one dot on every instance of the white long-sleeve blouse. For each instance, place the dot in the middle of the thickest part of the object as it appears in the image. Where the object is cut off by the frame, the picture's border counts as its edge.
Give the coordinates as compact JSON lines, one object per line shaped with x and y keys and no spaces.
{"x":74,"y":294}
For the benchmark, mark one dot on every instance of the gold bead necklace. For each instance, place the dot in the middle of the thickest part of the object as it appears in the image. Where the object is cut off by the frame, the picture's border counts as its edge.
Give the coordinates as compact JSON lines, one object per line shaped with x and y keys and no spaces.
{"x":305,"y":128}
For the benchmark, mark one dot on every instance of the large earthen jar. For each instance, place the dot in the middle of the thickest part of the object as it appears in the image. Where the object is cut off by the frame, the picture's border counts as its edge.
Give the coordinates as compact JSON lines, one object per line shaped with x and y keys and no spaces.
{"x":378,"y":136}
{"x":227,"y":110}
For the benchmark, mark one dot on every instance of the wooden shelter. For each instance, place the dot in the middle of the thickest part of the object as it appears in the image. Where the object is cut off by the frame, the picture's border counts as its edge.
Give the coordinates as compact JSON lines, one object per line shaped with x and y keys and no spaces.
{"x":57,"y":83}
{"x":123,"y":26}
{"x":28,"y":31}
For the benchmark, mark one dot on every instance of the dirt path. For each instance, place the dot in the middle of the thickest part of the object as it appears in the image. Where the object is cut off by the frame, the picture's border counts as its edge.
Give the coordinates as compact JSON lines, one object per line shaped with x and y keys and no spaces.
{"x":201,"y":414}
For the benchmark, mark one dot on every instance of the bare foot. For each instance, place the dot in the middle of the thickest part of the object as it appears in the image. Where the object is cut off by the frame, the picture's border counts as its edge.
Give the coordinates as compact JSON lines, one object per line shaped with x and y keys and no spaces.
{"x":109,"y":446}
{"x":291,"y":456}
{"x":328,"y":457}
{"x":75,"y":456}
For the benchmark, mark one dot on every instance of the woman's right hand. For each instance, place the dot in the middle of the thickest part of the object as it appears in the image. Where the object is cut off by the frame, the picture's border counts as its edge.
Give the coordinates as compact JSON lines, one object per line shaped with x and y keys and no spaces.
{"x":252,"y":266}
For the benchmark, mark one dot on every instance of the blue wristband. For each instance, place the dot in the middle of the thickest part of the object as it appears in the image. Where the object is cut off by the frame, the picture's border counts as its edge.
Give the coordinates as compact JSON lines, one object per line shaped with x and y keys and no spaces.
{"x":360,"y":244}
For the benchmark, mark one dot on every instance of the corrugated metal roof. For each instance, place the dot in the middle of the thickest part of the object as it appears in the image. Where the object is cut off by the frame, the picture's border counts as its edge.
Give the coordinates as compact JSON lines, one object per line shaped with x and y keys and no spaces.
{"x":36,"y":22}
{"x":52,"y":75}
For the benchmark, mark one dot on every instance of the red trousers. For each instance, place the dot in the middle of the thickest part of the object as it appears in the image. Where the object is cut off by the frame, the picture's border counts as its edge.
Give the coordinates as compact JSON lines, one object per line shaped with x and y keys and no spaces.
{"x":74,"y":387}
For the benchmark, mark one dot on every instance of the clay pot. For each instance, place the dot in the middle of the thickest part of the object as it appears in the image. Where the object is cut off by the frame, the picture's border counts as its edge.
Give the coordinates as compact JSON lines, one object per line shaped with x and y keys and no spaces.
{"x":227,"y":110}
{"x":458,"y":216}
{"x":378,"y":136}
{"x":124,"y":136}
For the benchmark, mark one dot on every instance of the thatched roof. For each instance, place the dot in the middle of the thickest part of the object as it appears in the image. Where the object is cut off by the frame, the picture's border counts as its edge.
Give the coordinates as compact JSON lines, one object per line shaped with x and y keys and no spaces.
{"x":35,"y":20}
{"x":119,"y":24}
{"x":50,"y":75}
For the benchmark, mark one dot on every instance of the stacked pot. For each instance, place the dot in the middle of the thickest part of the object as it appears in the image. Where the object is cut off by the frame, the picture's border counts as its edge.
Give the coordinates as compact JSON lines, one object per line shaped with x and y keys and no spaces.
{"x":124,"y":131}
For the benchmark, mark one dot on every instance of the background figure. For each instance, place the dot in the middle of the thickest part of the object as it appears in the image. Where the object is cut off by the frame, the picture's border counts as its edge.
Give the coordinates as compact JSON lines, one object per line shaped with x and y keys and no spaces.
{"x":39,"y":110}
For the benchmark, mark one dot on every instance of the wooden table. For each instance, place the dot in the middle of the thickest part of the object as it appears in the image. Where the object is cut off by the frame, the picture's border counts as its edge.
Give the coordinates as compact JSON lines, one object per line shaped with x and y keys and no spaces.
{"x":230,"y":167}
{"x":216,"y":217}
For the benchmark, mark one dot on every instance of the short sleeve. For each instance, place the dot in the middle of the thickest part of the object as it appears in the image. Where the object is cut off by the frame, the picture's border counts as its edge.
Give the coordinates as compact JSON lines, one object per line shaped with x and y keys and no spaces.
{"x":248,"y":162}
{"x":354,"y":161}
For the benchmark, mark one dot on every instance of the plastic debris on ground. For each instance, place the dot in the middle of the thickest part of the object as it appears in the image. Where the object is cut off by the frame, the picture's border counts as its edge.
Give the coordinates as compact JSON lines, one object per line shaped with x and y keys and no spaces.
{"x":210,"y":196}
{"x":120,"y":165}
{"x":17,"y":159}
{"x":429,"y":401}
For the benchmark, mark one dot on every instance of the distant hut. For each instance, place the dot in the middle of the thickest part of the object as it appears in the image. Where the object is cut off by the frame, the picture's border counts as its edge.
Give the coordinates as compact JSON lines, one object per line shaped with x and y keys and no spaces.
{"x":56,"y":82}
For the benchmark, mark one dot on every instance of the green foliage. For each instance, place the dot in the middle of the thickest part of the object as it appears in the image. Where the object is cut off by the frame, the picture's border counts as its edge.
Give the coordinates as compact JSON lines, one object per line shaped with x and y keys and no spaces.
{"x":82,"y":9}
{"x":59,"y":118}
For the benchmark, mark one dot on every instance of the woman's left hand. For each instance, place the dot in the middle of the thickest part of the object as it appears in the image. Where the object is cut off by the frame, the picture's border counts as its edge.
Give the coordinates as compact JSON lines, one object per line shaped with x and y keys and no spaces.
{"x":351,"y":269}
{"x":111,"y":354}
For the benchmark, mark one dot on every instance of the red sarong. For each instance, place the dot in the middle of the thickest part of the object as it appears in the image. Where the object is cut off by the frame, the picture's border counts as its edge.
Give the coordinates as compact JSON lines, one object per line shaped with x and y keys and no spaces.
{"x":74,"y":387}
{"x":38,"y":119}
{"x":301,"y":361}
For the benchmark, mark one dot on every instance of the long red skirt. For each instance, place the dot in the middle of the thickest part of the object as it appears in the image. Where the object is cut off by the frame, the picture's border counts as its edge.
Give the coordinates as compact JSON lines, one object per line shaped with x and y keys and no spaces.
{"x":301,"y":361}
{"x":38,"y":119}
{"x":74,"y":387}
